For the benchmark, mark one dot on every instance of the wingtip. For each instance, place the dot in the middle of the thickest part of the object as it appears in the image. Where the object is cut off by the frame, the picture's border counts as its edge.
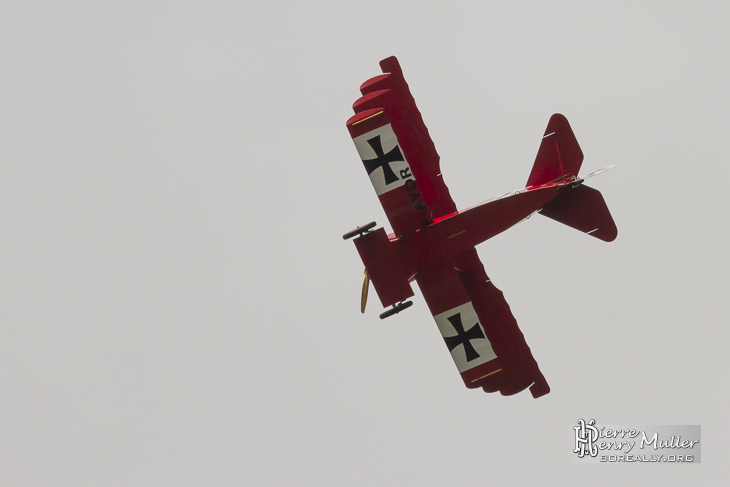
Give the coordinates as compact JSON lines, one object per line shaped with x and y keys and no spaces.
{"x":539,"y":388}
{"x":391,"y":65}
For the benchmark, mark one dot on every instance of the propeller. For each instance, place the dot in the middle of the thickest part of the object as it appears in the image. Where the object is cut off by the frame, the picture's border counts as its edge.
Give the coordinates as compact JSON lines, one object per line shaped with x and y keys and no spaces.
{"x":364,"y":295}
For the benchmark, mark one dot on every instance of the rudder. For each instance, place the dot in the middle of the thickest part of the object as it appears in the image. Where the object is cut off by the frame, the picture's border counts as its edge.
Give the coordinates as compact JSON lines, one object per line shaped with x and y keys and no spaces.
{"x":559,"y":154}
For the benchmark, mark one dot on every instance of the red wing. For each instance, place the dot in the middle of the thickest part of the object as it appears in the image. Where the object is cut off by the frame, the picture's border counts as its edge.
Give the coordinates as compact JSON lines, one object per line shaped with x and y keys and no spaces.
{"x":459,"y":324}
{"x":389,"y":170}
{"x":478,"y":327}
{"x":398,"y":153}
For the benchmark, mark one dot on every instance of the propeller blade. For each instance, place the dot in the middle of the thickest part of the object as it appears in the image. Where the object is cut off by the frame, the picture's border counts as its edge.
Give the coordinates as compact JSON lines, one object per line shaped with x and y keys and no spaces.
{"x":364,"y":295}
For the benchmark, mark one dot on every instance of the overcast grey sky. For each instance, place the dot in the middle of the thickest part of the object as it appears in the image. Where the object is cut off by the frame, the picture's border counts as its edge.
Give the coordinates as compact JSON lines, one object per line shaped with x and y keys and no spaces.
{"x":177,"y":306}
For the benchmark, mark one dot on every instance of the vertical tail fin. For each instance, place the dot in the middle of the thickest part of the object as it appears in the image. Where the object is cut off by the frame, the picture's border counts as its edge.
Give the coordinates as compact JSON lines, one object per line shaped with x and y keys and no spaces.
{"x":559,"y":154}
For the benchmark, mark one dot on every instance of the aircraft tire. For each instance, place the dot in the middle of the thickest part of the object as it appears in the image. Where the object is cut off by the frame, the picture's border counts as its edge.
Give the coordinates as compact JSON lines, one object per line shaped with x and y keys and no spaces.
{"x":359,"y":230}
{"x":395,"y":309}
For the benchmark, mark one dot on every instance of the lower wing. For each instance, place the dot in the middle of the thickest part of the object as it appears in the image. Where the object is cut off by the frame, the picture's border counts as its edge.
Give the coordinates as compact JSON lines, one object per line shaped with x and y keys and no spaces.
{"x":478,"y":327}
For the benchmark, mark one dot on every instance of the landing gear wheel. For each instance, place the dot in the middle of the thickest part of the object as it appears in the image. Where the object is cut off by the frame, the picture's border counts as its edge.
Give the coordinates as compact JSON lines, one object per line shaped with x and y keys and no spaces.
{"x":396,"y":309}
{"x":359,"y":230}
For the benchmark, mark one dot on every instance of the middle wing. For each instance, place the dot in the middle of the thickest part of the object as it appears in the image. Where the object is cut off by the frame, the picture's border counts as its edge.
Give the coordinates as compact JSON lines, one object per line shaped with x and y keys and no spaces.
{"x":478,"y":327}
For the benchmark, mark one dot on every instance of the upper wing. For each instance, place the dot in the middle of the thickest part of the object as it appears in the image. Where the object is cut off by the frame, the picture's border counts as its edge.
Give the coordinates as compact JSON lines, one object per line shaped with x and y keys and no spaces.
{"x":478,"y":327}
{"x":398,"y":153}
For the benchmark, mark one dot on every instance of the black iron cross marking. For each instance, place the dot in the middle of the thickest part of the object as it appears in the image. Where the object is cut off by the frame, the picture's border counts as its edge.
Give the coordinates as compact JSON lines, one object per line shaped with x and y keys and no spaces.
{"x":464,"y":337}
{"x":383,"y":160}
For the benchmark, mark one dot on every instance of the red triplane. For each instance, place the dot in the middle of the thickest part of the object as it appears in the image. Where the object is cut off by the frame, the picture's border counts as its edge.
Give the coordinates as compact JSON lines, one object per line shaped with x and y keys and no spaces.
{"x":433,"y":243}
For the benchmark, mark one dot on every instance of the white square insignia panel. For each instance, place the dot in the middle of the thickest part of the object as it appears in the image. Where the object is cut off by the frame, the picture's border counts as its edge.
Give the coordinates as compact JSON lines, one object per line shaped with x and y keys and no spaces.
{"x":465,"y":337}
{"x":383,"y":159}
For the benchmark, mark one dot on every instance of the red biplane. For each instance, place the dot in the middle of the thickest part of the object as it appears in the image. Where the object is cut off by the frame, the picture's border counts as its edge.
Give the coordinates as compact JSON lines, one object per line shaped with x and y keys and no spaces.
{"x":433,"y":243}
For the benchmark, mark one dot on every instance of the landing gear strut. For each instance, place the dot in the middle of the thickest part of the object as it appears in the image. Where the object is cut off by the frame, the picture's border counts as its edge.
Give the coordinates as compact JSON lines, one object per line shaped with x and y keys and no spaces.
{"x":397,"y":308}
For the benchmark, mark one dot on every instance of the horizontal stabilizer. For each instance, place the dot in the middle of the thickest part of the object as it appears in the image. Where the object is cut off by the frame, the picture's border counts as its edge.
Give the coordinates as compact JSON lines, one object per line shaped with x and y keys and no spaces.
{"x":584,"y":209}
